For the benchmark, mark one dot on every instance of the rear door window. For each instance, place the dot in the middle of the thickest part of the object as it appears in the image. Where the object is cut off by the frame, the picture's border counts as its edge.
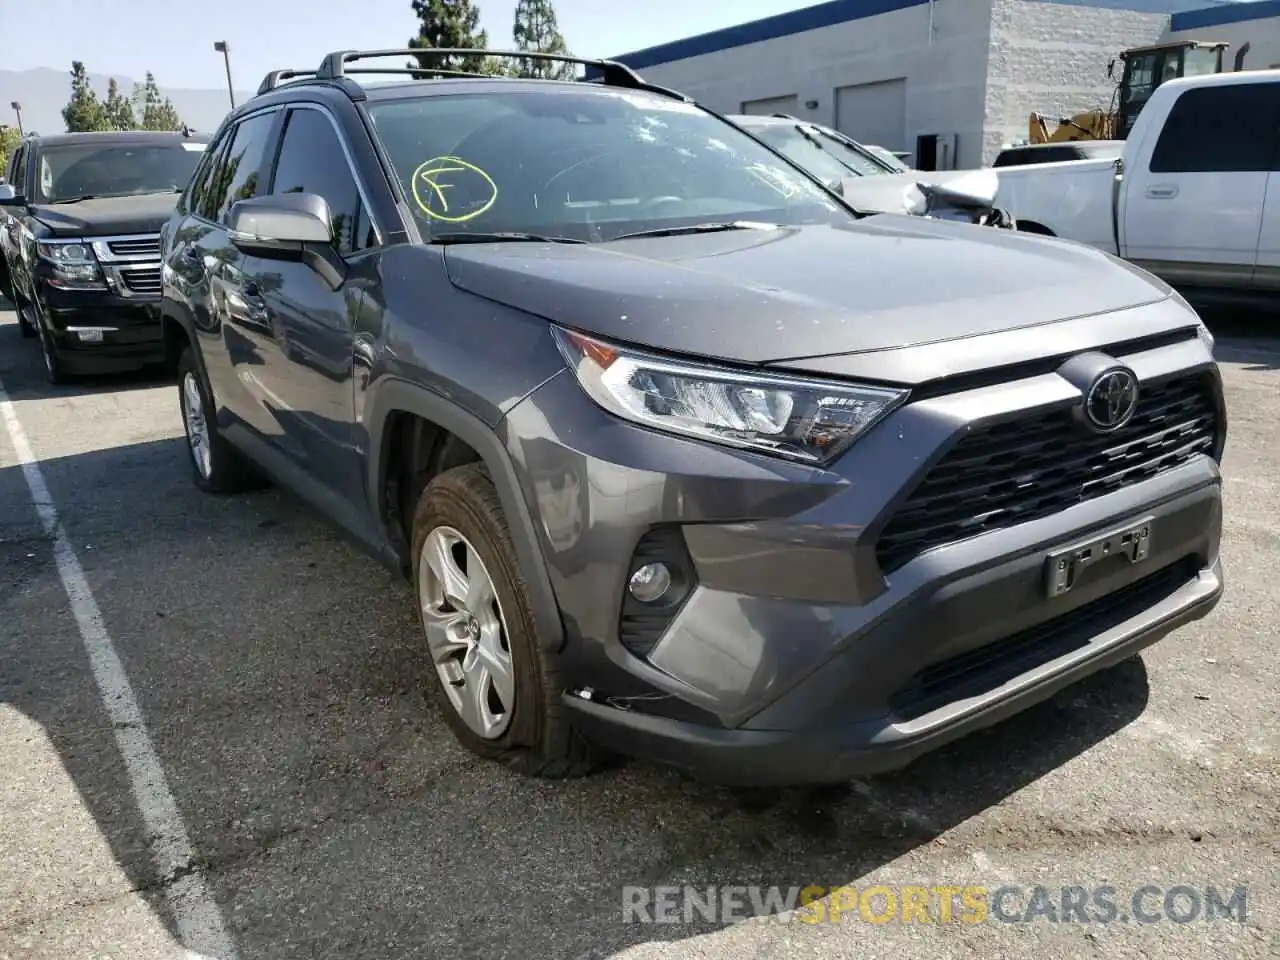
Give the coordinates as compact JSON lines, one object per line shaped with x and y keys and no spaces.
{"x":1228,"y":128}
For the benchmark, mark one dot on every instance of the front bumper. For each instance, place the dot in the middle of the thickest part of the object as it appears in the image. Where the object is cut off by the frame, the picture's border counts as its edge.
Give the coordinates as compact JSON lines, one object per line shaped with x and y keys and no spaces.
{"x":100,"y":331}
{"x":822,"y":752}
{"x":798,"y":655}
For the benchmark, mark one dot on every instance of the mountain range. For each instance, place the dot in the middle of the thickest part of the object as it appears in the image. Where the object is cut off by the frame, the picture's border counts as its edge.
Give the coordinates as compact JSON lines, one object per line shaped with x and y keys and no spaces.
{"x":43,"y":93}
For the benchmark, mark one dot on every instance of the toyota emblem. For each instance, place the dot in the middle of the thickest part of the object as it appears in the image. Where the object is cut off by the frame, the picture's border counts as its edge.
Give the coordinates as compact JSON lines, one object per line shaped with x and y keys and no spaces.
{"x":1112,"y":399}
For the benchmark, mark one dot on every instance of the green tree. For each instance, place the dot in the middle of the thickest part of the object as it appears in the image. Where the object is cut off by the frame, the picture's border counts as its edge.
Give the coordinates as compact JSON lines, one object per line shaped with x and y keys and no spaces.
{"x":157,"y":111}
{"x":9,"y":140}
{"x":83,"y":111}
{"x":450,"y":24}
{"x":536,"y":29}
{"x":119,"y":109}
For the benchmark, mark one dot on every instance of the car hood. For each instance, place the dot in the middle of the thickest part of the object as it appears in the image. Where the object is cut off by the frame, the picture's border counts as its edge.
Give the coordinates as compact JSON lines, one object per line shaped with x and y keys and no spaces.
{"x":757,"y":296}
{"x":108,"y":216}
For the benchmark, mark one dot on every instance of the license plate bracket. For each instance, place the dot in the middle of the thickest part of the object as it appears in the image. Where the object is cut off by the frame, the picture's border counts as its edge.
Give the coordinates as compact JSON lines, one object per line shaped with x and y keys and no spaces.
{"x":1063,"y":567}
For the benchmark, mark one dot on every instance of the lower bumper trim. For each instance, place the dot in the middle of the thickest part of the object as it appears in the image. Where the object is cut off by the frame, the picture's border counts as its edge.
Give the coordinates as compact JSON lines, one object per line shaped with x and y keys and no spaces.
{"x":757,"y":758}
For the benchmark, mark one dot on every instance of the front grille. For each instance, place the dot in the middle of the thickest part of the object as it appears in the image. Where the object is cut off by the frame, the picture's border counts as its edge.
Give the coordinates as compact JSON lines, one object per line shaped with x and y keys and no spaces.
{"x":144,"y":281}
{"x":980,"y":671}
{"x":135,"y":247}
{"x":1019,"y":470}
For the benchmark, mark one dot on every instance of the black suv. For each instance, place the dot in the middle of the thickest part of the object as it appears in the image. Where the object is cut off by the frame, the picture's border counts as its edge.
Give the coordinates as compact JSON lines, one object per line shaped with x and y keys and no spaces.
{"x":685,"y":457}
{"x":80,"y":217}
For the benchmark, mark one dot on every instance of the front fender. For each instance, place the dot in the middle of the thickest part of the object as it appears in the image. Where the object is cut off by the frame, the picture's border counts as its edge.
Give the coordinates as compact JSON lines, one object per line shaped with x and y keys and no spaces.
{"x":394,"y":395}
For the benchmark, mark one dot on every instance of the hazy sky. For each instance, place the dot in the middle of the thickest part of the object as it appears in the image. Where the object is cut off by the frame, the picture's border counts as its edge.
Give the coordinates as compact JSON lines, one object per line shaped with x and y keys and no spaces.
{"x":174,"y":41}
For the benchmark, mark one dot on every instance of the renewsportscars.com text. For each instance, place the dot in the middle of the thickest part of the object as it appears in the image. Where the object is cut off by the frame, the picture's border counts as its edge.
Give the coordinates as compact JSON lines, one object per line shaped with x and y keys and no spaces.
{"x":967,"y":904}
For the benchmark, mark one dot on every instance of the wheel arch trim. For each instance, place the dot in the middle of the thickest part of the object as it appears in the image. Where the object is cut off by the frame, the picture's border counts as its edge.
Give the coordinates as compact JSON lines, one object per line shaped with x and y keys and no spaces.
{"x":400,"y":396}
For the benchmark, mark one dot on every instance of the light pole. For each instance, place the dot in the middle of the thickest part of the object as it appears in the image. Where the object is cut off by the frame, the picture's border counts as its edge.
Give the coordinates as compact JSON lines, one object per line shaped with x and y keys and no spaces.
{"x":17,"y":108}
{"x":224,"y":48}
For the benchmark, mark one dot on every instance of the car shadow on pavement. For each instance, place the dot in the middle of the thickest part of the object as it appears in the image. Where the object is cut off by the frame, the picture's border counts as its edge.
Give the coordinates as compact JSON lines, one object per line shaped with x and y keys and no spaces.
{"x":282,"y":679}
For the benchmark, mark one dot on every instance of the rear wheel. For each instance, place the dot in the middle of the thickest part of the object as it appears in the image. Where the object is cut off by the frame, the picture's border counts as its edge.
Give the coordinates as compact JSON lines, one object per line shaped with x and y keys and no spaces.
{"x":498,"y":689}
{"x":217,"y":467}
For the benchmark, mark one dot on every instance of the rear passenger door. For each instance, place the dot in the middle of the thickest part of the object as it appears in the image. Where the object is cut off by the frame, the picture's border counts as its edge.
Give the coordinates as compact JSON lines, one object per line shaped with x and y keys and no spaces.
{"x":1193,"y":203}
{"x":1266,"y":271}
{"x":304,"y":362}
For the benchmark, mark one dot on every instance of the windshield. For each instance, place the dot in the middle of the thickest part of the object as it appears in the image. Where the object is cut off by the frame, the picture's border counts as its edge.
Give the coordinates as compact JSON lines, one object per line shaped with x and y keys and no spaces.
{"x":1200,"y":61}
{"x":590,"y":164}
{"x":888,"y":157}
{"x":805,"y":149}
{"x":115,"y":170}
{"x":853,"y":157}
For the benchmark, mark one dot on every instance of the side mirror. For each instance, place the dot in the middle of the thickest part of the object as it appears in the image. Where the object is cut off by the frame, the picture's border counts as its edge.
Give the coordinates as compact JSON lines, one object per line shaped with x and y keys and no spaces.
{"x":973,"y":191}
{"x":280,"y":226}
{"x":10,"y":197}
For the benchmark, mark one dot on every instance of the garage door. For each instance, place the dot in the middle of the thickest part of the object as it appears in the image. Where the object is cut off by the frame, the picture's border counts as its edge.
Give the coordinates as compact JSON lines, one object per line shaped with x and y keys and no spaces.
{"x":763,"y":108}
{"x":874,"y":113}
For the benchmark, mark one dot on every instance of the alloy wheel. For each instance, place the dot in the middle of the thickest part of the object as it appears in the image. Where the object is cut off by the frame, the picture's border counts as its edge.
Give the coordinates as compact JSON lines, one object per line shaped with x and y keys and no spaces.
{"x":193,"y":417}
{"x":466,"y":632}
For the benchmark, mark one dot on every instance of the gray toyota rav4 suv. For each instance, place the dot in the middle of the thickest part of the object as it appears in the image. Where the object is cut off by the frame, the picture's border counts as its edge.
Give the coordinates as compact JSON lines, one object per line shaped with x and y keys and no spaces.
{"x":686,"y":459}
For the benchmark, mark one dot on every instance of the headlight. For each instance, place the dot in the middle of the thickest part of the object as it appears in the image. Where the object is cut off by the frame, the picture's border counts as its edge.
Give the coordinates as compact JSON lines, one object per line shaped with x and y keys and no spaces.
{"x":74,"y":265}
{"x":804,"y":420}
{"x":65,"y":253}
{"x":914,"y":202}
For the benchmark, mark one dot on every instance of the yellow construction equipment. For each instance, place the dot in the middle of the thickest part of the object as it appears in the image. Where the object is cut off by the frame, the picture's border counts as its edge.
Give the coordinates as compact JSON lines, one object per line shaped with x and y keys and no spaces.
{"x":1143,"y":69}
{"x":1090,"y":125}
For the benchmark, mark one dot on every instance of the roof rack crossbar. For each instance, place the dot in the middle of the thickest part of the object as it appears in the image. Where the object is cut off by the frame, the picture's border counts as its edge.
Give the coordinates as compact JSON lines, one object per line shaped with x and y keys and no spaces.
{"x":617,"y":74}
{"x":419,"y":71}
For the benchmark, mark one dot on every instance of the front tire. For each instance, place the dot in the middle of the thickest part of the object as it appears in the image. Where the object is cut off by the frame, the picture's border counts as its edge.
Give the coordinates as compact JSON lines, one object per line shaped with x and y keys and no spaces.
{"x":216,"y":466}
{"x":498,"y":689}
{"x":25,"y":326}
{"x":55,"y":371}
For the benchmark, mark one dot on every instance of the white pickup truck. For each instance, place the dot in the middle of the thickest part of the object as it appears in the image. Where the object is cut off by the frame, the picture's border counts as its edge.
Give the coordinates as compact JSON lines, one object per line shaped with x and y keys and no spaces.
{"x":1190,"y":199}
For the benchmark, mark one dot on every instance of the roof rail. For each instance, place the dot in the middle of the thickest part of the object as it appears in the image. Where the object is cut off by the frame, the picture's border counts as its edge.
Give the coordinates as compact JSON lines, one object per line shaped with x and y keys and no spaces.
{"x":612,"y":73}
{"x":277,"y":77}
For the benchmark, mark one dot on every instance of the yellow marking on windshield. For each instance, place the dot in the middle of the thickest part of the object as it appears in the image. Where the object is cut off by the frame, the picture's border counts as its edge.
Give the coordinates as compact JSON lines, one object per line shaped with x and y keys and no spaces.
{"x":432,"y":179}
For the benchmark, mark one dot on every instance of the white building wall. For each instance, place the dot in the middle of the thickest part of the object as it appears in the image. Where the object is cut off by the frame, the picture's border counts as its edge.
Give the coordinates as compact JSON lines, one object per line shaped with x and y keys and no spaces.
{"x":1051,"y":58}
{"x":945,"y":79}
{"x":1262,"y":35}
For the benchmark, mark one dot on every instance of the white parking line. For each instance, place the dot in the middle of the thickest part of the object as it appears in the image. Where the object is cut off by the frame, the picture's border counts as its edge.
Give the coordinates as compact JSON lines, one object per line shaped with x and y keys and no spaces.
{"x":198,"y":918}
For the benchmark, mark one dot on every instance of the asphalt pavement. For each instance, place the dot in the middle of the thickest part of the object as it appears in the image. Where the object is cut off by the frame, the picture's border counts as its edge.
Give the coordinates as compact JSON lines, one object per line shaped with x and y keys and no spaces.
{"x":213,"y":731}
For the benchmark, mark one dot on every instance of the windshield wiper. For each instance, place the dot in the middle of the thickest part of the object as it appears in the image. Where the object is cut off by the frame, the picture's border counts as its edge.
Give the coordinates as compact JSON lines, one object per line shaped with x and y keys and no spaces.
{"x":85,"y":196}
{"x":464,"y":236}
{"x":714,"y":227}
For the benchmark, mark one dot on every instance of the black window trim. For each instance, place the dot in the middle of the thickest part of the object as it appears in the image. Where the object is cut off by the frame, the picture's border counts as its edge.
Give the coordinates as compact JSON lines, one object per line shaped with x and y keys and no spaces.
{"x":1273,"y":159}
{"x":228,"y":138}
{"x":351,"y":168}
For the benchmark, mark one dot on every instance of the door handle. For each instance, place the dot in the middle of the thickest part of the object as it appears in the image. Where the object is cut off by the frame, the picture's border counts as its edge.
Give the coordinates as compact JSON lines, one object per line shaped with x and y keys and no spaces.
{"x":1162,"y":192}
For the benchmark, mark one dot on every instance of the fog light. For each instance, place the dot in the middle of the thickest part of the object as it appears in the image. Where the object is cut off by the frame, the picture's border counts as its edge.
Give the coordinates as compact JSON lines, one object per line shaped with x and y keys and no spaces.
{"x":650,"y":582}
